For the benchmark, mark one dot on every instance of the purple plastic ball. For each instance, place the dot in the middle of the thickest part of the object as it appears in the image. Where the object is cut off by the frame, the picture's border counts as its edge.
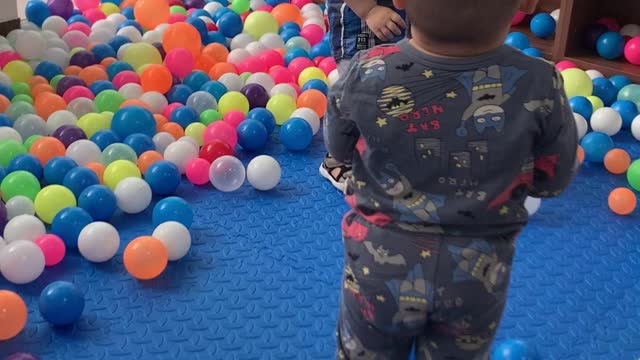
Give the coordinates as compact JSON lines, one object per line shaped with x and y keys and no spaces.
{"x":67,"y":83}
{"x":194,"y":4}
{"x":69,"y":134}
{"x":256,"y":94}
{"x":160,"y":48}
{"x":591,"y":35}
{"x":83,"y":59}
{"x":3,"y":217}
{"x":62,"y":8}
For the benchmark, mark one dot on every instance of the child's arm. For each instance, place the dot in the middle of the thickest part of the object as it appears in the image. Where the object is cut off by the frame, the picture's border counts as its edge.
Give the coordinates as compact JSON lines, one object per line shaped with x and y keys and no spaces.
{"x":340,"y":132}
{"x":385,"y":23}
{"x":556,"y":160}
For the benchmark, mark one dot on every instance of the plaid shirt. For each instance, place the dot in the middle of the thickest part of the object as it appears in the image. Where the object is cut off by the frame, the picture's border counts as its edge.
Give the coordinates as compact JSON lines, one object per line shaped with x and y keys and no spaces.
{"x":350,"y":34}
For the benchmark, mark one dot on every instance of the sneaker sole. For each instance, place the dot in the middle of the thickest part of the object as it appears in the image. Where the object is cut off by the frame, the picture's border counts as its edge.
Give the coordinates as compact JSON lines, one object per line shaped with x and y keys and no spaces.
{"x":325,"y":174}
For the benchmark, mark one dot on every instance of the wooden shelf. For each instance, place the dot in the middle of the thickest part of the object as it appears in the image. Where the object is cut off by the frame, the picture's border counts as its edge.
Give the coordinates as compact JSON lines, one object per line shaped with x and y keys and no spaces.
{"x":607,"y":67}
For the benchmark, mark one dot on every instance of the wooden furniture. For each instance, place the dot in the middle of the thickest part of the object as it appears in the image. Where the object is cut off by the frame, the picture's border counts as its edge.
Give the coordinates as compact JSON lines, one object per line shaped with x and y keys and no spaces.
{"x":575,"y":15}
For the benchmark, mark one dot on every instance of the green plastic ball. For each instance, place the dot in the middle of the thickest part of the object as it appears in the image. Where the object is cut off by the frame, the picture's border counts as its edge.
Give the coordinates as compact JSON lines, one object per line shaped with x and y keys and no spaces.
{"x":117,"y":151}
{"x":109,"y":100}
{"x":19,"y":183}
{"x":633,"y":175}
{"x":118,"y":171}
{"x":22,"y":98}
{"x":21,"y":88}
{"x":30,"y":140}
{"x":210,"y":116}
{"x":10,"y":149}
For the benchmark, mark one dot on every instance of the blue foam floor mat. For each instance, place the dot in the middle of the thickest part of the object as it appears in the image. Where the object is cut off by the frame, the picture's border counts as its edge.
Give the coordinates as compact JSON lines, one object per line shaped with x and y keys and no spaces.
{"x":262,"y":279}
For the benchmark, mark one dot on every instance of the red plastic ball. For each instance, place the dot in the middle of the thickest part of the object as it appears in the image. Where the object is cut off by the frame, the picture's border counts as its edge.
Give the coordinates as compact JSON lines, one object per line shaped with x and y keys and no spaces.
{"x":215,"y":149}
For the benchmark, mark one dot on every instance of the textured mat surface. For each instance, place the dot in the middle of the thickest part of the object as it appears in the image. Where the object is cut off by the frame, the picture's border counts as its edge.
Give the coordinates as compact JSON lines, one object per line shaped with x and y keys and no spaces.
{"x":262,"y":279}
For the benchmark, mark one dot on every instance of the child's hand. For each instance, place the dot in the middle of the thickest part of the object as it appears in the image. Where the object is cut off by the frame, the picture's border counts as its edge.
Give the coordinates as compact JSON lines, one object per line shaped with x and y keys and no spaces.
{"x":385,"y":23}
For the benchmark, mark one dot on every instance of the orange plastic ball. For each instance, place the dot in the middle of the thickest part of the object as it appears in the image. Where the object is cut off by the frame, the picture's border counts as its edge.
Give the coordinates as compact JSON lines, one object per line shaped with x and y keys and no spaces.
{"x":37,"y":90}
{"x":151,"y":13}
{"x":135,"y":102}
{"x":315,"y":100}
{"x":147,"y":158}
{"x":160,"y":121}
{"x":617,"y":161}
{"x":47,"y":103}
{"x":4,"y":103}
{"x":72,"y":70}
{"x":580,"y":154}
{"x":182,"y":35}
{"x":287,"y":13}
{"x":98,"y":169}
{"x":92,"y":74}
{"x":205,"y":63}
{"x":13,"y":314}
{"x":156,"y":78}
{"x":46,"y":148}
{"x":220,"y":69}
{"x":622,"y":201}
{"x":37,"y":80}
{"x":145,"y":258}
{"x":174,"y":129}
{"x":108,"y":61}
{"x":217,"y":51}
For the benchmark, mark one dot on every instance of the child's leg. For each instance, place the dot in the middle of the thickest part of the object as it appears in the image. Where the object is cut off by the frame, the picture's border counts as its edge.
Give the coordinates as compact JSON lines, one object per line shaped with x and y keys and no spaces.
{"x":472,"y":282}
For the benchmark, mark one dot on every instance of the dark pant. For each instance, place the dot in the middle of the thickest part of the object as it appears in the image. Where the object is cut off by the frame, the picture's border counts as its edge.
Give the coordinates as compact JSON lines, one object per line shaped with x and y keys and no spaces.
{"x":443,"y":294}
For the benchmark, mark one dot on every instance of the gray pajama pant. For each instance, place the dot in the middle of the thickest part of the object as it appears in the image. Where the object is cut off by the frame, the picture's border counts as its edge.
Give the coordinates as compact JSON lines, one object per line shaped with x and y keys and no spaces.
{"x":439,"y":295}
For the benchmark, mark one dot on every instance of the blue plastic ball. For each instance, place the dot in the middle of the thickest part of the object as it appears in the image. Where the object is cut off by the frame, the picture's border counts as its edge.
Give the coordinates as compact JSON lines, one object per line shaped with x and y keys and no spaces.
{"x":100,"y":86}
{"x":201,"y":12}
{"x":264,"y":116}
{"x":163,"y":177}
{"x":61,"y":303}
{"x":103,"y":51}
{"x":252,"y":135}
{"x":289,"y":25}
{"x":215,"y":88}
{"x":68,"y":224}
{"x":37,"y":12}
{"x":533,"y":52}
{"x":104,"y":138}
{"x":581,"y":105}
{"x":117,"y":67}
{"x":321,"y":49}
{"x":221,"y":12}
{"x":605,"y":90}
{"x":3,"y":173}
{"x":117,"y":42}
{"x":543,"y":25}
{"x":78,"y":18}
{"x":133,"y":120}
{"x":275,"y":3}
{"x":215,"y":37}
{"x":627,"y":110}
{"x":99,"y":201}
{"x":5,"y":120}
{"x":316,"y":84}
{"x":140,"y":143}
{"x":288,"y":34}
{"x":620,"y":81}
{"x":128,"y":12}
{"x":517,"y":40}
{"x":296,"y":134}
{"x":184,"y":116}
{"x":596,"y":145}
{"x":610,"y":45}
{"x":513,"y":350}
{"x":7,"y":91}
{"x":294,"y":54}
{"x":48,"y":69}
{"x":78,"y":179}
{"x":57,"y":168}
{"x":199,"y":24}
{"x":196,"y":80}
{"x":26,"y":162}
{"x":230,"y":24}
{"x":179,"y":94}
{"x":130,"y":23}
{"x":172,"y":209}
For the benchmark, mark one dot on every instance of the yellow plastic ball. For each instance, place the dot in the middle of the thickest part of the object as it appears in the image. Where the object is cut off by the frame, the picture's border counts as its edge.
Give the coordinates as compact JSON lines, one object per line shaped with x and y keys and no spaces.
{"x":259,"y":23}
{"x":196,"y":131}
{"x":311,"y":73}
{"x":51,"y":200}
{"x":233,"y":100}
{"x":281,"y":106}
{"x":92,"y":123}
{"x":596,"y":102}
{"x":109,"y":8}
{"x":577,"y":83}
{"x":140,"y":54}
{"x":18,"y":71}
{"x":118,"y":171}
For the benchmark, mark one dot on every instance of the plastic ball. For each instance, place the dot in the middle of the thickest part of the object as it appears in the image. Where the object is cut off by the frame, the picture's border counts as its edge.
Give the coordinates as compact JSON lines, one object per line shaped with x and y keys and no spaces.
{"x":175,"y":237}
{"x":617,"y":161}
{"x":230,"y":25}
{"x":78,"y":179}
{"x":264,"y":173}
{"x":631,"y":93}
{"x":513,"y":350}
{"x":23,"y":227}
{"x":145,"y":258}
{"x":265,"y":117}
{"x":197,"y":171}
{"x":21,"y":262}
{"x":68,"y":223}
{"x":620,"y":81}
{"x":606,"y":120}
{"x":622,"y":201}
{"x":98,"y":242}
{"x":260,"y":23}
{"x":61,"y":303}
{"x":133,"y":119}
{"x":517,"y":40}
{"x":594,"y":74}
{"x":635,"y":128}
{"x":19,"y":183}
{"x":180,"y":153}
{"x":633,"y":175}
{"x":281,"y":106}
{"x":53,"y":249}
{"x":581,"y":125}
{"x":577,"y":83}
{"x":68,"y":134}
{"x":596,"y":145}
{"x":212,"y":150}
{"x":296,"y":134}
{"x":13,"y":314}
{"x":9,"y":149}
{"x":99,"y":201}
{"x":315,"y":100}
{"x":83,"y":152}
{"x":632,"y":50}
{"x":627,"y":110}
{"x":221,"y":131}
{"x":610,"y":45}
{"x":163,"y":177}
{"x":161,"y":140}
{"x":105,"y":138}
{"x":151,"y":13}
{"x":532,"y":205}
{"x":233,"y":100}
{"x":227,"y":173}
{"x":252,"y":135}
{"x":19,"y":205}
{"x":231,"y":82}
{"x":51,"y":200}
{"x":172,"y":209}
{"x":596,"y":102}
{"x":133,"y":195}
{"x":26,"y":162}
{"x":543,"y":25}
{"x":256,"y":94}
{"x":119,"y":170}
{"x":605,"y":90}
{"x":582,"y":106}
{"x":47,"y":148}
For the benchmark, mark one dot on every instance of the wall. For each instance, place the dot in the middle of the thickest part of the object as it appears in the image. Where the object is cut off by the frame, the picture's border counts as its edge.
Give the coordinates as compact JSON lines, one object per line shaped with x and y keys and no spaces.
{"x":8,"y":10}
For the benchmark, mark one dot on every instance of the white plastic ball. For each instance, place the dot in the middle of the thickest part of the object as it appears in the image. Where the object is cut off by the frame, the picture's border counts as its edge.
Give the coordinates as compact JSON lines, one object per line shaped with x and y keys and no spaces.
{"x":12,"y":36}
{"x":311,"y":9}
{"x":555,"y":14}
{"x":180,"y":153}
{"x":131,"y":33}
{"x":75,"y":38}
{"x":8,"y":133}
{"x":156,"y":101}
{"x":333,"y":77}
{"x":264,"y":173}
{"x":175,"y":237}
{"x":256,"y":4}
{"x":635,"y":128}
{"x":3,"y":40}
{"x":29,"y":26}
{"x":57,"y":56}
{"x":30,"y":124}
{"x":315,"y":20}
{"x":152,"y":37}
{"x":310,"y":116}
{"x":81,"y":106}
{"x":117,"y":19}
{"x":594,"y":74}
{"x":31,"y":45}
{"x":606,"y":120}
{"x":19,"y":205}
{"x":581,"y":125}
{"x":237,"y":56}
{"x":58,"y":44}
{"x":60,"y":118}
{"x":24,"y":227}
{"x":262,"y":79}
{"x":272,"y":41}
{"x":227,"y":173}
{"x":200,"y":101}
{"x":206,"y":19}
{"x":131,"y":91}
{"x":104,"y":25}
{"x":190,"y":140}
{"x":123,"y":50}
{"x":56,"y":24}
{"x":212,"y":7}
{"x":133,"y":195}
{"x":284,"y":89}
{"x":233,"y":82}
{"x":241,"y":41}
{"x":83,"y":152}
{"x":98,"y":242}
{"x":162,"y":28}
{"x":631,"y":30}
{"x":21,"y":262}
{"x":4,"y":78}
{"x":532,"y":205}
{"x":3,"y":243}
{"x":162,"y":140}
{"x":255,"y":48}
{"x":100,"y":36}
{"x":49,"y":35}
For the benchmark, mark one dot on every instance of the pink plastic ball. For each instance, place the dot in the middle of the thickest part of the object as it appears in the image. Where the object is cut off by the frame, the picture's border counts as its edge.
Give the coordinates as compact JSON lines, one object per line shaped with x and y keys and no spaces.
{"x":169,"y":109}
{"x":197,"y":171}
{"x":8,"y":56}
{"x":94,"y":15}
{"x":327,"y":65}
{"x":266,"y":8}
{"x":125,"y":77}
{"x":566,"y":64}
{"x":517,"y":19}
{"x":298,"y":65}
{"x":221,"y":131}
{"x":281,"y":75}
{"x":632,"y":51}
{"x":296,"y":87}
{"x":180,"y":62}
{"x":271,"y":58}
{"x":313,"y":33}
{"x":177,"y":18}
{"x":79,"y":26}
{"x":252,"y":65}
{"x":76,"y":39}
{"x":611,"y":23}
{"x":53,"y":249}
{"x":234,"y":118}
{"x":77,"y":91}
{"x":84,"y":5}
{"x":301,"y":3}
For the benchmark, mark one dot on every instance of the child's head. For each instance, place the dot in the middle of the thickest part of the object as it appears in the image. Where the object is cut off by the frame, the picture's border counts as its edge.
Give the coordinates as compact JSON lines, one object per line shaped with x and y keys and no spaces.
{"x":471,"y":24}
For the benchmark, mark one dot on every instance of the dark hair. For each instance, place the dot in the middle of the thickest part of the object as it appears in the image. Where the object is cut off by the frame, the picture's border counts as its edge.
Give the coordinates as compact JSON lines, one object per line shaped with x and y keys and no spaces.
{"x":466,"y":22}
